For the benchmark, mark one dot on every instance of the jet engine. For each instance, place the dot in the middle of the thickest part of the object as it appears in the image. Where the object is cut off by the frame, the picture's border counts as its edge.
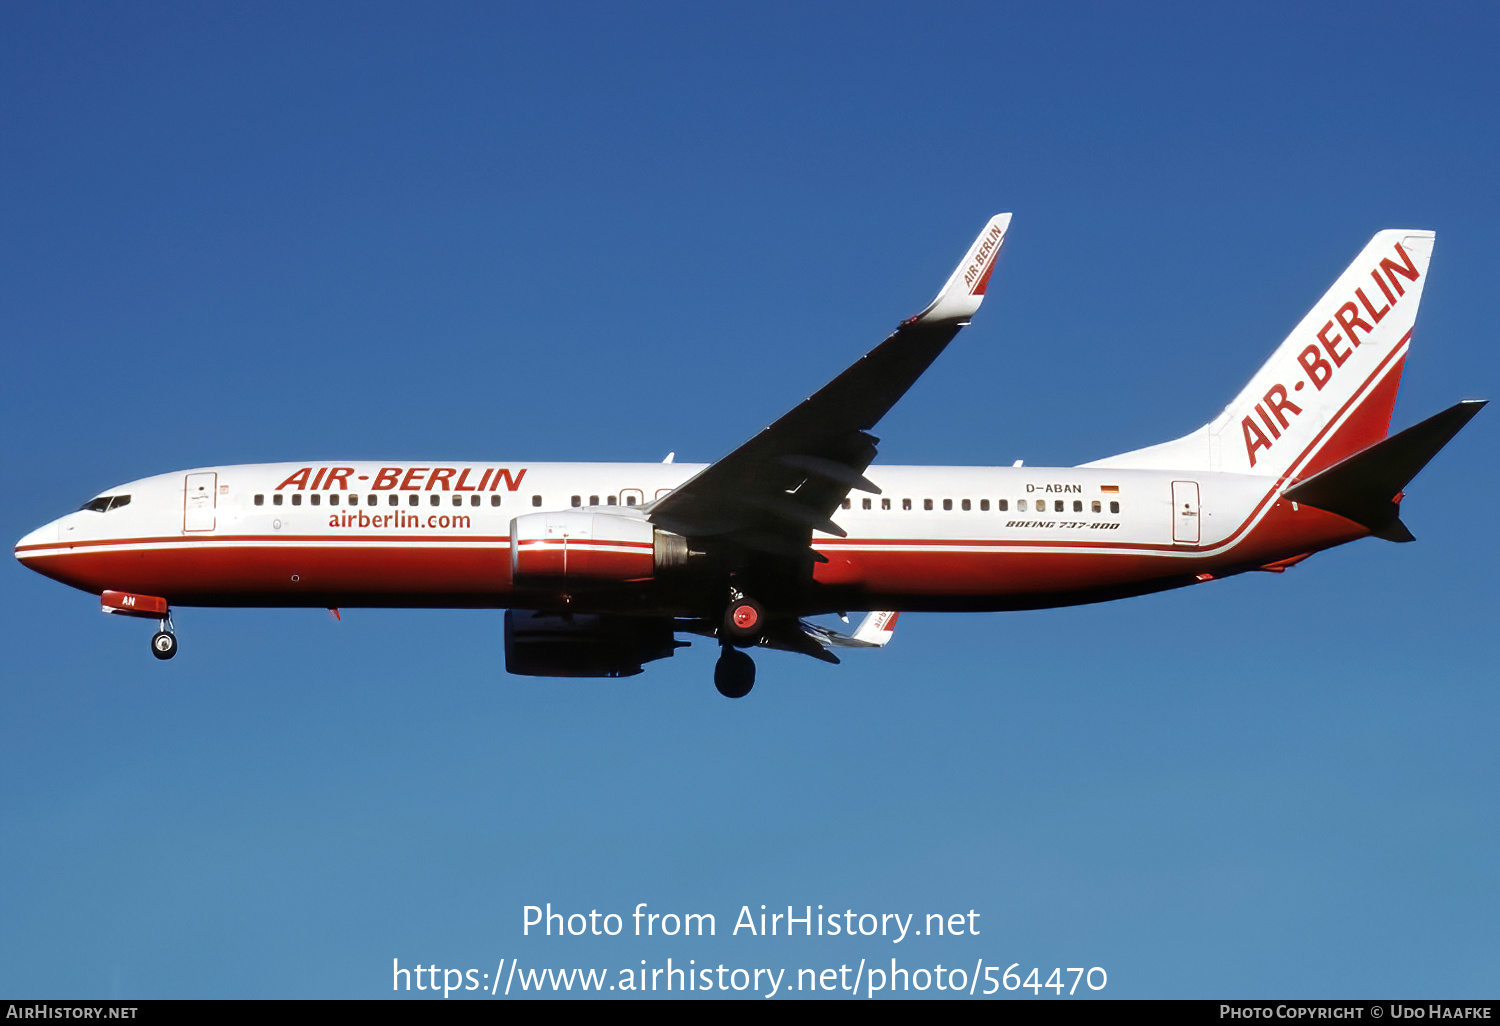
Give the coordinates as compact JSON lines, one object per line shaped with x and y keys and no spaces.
{"x":579,"y":546}
{"x":583,"y":645}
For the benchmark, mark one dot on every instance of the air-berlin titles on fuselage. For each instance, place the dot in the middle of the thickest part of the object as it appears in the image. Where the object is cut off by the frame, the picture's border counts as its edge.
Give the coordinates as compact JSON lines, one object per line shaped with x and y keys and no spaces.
{"x":1277,"y":405}
{"x":404,"y":479}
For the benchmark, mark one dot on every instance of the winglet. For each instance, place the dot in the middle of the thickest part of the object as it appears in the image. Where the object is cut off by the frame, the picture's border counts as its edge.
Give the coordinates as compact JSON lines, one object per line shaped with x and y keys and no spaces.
{"x":877,"y":628}
{"x":964,"y":291}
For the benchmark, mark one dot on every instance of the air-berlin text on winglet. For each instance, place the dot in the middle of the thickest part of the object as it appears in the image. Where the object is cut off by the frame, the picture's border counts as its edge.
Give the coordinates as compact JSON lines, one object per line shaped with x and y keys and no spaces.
{"x":404,"y":479}
{"x":1277,"y":407}
{"x":972,"y":274}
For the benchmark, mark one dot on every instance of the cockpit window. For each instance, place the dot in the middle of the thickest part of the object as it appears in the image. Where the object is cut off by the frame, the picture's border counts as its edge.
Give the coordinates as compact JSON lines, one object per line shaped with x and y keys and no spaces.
{"x":105,"y":503}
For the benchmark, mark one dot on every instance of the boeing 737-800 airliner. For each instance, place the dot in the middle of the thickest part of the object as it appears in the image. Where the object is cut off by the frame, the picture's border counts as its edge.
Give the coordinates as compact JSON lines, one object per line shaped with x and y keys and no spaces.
{"x":600,"y":566}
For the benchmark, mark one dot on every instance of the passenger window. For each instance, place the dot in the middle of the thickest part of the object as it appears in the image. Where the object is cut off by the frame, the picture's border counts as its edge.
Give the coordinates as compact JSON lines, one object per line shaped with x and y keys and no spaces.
{"x":1021,"y":505}
{"x":984,"y":505}
{"x":1094,"y":506}
{"x":1003,"y":504}
{"x":1077,"y":505}
{"x":965,"y":505}
{"x":458,"y":500}
{"x":296,"y":498}
{"x":948,"y":504}
{"x":1057,"y":506}
{"x":315,"y":498}
{"x":593,"y":500}
{"x":1114,"y":507}
{"x":395,"y":500}
{"x":276,"y":499}
{"x":536,"y":500}
{"x":372,"y":500}
{"x":473,"y":500}
{"x":885,"y":503}
{"x":354,"y":499}
{"x":260,"y":500}
{"x":846,"y":504}
{"x":926,"y":503}
{"x":609,"y":501}
{"x":865,"y":503}
{"x":433,"y":499}
{"x":494,"y":500}
{"x":333,"y":499}
{"x":577,"y":501}
{"x":906,"y":504}
{"x":412,"y":500}
{"x":630,"y":500}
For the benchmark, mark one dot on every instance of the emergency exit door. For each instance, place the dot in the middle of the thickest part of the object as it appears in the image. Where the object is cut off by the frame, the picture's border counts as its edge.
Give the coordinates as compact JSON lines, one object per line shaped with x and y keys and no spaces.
{"x":1185,"y":521}
{"x":198,"y":501}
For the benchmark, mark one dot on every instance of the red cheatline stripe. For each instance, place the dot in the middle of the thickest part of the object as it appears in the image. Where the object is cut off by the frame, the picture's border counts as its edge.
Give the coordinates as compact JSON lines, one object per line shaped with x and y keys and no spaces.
{"x":181,"y":541}
{"x":468,"y":540}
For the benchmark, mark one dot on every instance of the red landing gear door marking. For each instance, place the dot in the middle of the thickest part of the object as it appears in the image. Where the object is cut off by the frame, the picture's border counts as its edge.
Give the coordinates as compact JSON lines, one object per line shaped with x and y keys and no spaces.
{"x":199,"y":496}
{"x":1186,"y":529}
{"x":148,"y":606}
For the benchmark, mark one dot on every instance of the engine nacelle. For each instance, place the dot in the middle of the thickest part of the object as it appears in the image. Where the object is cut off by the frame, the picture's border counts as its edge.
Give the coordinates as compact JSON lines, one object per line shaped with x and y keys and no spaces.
{"x":579,"y":546}
{"x":583,"y":645}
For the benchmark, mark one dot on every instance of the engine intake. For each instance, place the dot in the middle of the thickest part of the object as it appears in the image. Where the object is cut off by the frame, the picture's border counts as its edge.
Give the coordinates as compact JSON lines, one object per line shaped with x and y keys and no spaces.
{"x":580,"y":546}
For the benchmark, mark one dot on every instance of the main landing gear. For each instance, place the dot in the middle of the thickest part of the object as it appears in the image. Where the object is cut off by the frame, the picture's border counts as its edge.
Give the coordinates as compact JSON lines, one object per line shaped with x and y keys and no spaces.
{"x":744,"y":621}
{"x":734,"y":674}
{"x":164,"y":642}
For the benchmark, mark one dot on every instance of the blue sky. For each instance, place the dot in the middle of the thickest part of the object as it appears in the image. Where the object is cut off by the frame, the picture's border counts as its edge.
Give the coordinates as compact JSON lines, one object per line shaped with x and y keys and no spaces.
{"x":606,"y":232}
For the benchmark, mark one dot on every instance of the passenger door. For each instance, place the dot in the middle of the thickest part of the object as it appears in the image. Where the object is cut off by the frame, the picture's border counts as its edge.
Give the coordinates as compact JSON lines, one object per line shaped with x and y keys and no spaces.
{"x":198,"y":502}
{"x":1186,"y":529}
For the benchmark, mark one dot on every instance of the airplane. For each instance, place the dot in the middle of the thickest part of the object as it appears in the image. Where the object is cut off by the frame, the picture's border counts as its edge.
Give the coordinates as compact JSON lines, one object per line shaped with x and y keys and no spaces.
{"x":600,"y":566}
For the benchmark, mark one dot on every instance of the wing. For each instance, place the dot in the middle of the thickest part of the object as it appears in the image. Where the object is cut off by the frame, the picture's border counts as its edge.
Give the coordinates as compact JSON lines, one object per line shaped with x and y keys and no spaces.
{"x":771,"y":493}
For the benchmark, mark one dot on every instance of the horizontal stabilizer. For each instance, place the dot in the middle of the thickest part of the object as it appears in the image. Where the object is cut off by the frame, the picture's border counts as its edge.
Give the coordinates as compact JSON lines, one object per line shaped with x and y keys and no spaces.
{"x":877,"y":628}
{"x":1366,"y":487}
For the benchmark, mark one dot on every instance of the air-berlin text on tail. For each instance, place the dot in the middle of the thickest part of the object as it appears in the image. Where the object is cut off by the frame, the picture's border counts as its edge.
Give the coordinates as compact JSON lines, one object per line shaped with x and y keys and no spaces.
{"x":405,"y":479}
{"x":1339,"y":338}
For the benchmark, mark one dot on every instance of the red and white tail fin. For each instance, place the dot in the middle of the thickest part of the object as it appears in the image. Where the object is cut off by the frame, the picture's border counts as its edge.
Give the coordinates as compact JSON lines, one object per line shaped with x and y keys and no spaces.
{"x":1328,"y":390}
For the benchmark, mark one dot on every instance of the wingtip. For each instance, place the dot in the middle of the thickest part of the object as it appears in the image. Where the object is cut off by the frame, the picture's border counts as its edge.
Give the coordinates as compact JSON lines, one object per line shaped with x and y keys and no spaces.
{"x":961,"y":295}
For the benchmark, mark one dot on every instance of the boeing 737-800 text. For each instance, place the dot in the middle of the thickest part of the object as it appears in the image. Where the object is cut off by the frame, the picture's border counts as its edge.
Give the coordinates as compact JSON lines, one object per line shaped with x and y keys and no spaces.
{"x":600,"y":565}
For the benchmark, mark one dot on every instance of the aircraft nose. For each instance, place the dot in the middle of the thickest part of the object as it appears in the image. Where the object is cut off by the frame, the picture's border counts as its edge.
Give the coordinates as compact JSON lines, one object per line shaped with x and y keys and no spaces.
{"x":42,"y":536}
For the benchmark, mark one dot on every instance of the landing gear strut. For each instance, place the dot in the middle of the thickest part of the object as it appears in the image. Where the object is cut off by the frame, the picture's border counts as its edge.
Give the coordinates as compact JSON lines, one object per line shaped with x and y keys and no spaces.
{"x":164,"y":642}
{"x":734,"y":674}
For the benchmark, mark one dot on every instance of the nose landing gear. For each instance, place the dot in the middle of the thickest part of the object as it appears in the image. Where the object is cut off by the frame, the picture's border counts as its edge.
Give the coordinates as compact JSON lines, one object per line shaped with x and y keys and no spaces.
{"x":145,"y":607}
{"x":164,"y":642}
